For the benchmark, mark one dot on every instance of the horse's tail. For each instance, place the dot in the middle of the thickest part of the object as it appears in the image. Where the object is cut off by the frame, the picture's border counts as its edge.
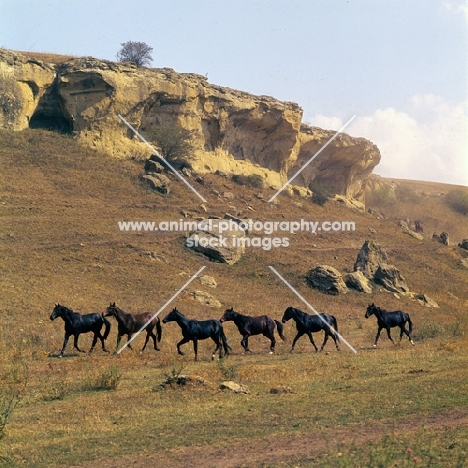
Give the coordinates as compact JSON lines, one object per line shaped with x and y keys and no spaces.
{"x":410,"y":324}
{"x":158,"y":330}
{"x":335,"y":326}
{"x":280,"y":329}
{"x":108,"y":327}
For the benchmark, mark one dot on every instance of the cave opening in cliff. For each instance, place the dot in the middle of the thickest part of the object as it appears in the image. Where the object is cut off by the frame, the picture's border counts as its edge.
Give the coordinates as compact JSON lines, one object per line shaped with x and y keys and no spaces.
{"x":49,"y":114}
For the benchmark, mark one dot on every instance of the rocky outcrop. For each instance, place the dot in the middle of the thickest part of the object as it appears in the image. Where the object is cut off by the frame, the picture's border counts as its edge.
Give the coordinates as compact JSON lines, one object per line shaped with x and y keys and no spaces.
{"x":232,"y":131}
{"x":327,"y":280}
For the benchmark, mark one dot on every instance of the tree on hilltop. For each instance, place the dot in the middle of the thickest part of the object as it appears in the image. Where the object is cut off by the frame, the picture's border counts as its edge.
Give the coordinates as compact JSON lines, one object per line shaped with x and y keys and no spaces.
{"x":137,"y":52}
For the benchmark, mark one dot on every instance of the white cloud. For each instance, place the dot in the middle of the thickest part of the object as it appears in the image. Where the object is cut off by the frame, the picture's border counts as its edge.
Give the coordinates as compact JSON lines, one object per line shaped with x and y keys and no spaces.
{"x":429,"y":141}
{"x":456,"y":7}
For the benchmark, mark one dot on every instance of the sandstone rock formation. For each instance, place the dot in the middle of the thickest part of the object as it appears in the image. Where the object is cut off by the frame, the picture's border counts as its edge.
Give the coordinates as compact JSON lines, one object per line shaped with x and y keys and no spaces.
{"x":326,"y":279}
{"x":233,"y":131}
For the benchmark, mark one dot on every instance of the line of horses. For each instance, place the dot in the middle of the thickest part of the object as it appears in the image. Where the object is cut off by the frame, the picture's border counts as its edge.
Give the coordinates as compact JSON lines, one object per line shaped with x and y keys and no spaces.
{"x":195,"y":330}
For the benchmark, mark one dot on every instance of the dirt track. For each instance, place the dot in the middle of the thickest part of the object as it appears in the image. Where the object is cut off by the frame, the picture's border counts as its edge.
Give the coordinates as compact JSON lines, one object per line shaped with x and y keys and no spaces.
{"x":241,"y":453}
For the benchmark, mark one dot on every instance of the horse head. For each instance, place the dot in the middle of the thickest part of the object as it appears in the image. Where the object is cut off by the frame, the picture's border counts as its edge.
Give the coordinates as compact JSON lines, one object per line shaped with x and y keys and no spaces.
{"x":172,"y":316}
{"x":110,"y":310}
{"x":228,"y":315}
{"x":57,"y":312}
{"x":288,"y":314}
{"x":371,"y":308}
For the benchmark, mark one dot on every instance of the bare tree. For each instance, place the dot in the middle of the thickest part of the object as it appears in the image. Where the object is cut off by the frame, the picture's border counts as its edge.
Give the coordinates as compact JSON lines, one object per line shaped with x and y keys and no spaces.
{"x":137,"y":52}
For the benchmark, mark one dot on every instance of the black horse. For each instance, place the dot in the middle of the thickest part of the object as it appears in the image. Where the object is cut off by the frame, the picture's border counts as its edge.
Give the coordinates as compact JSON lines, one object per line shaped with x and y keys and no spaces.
{"x":308,"y":324}
{"x":194,"y":330}
{"x":248,"y":326}
{"x":75,"y":324}
{"x":389,"y":320}
{"x":131,"y":323}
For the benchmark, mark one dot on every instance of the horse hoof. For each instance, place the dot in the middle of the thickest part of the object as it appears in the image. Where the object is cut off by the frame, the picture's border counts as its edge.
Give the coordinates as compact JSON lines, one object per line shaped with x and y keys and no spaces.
{"x":375,"y":346}
{"x":412,"y":342}
{"x":271,"y":352}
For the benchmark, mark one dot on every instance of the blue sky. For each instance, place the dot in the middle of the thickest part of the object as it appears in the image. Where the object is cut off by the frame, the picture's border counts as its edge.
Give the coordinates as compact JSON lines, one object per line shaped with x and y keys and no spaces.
{"x":400,"y":66}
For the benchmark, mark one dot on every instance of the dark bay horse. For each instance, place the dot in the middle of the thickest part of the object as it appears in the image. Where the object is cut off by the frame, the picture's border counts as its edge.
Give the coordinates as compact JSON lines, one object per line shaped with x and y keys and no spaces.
{"x":308,"y":324}
{"x":389,"y":320}
{"x":194,"y":330}
{"x":75,"y":324}
{"x":128,"y":324}
{"x":249,"y":326}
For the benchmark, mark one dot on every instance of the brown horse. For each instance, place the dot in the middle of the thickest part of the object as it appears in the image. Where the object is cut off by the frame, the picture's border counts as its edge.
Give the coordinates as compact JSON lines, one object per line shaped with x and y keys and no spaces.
{"x":128,"y":324}
{"x":248,"y":326}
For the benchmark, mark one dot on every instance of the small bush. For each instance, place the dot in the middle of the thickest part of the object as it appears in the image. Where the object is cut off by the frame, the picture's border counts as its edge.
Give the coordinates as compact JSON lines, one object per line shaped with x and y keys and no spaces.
{"x":228,"y":372}
{"x":251,"y":180}
{"x":382,"y":196}
{"x":321,"y":193}
{"x":54,"y":390}
{"x":105,"y":380}
{"x":407,"y":194}
{"x":458,"y":201}
{"x":428,"y":331}
{"x":175,"y":144}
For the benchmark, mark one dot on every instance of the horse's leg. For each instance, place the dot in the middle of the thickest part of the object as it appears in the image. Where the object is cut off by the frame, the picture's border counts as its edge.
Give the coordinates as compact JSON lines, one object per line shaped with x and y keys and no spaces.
{"x":180,"y":343}
{"x":299,"y":334}
{"x":309,"y":334}
{"x":129,"y":336}
{"x":195,"y":348}
{"x":65,"y":341}
{"x":103,"y":343}
{"x":96,"y":334}
{"x":218,"y":347}
{"x":75,"y":343}
{"x":377,"y":337}
{"x":390,"y":337}
{"x":155,"y":341}
{"x":325,"y":340}
{"x":273,"y":342}
{"x":245,"y":343}
{"x":146,"y":341}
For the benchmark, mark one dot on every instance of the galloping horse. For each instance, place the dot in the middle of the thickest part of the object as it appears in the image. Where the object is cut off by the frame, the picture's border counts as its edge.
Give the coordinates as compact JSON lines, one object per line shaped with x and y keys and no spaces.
{"x":308,"y":324}
{"x":248,"y":326}
{"x":388,"y":320}
{"x":194,"y":330}
{"x":75,"y":324}
{"x":128,"y":324}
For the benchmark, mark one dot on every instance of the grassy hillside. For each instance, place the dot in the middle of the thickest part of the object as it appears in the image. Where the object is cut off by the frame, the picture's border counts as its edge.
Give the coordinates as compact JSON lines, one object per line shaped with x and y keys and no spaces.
{"x":60,"y":243}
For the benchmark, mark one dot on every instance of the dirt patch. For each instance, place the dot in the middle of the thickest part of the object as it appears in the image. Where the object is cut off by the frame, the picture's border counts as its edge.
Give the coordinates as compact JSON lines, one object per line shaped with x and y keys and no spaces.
{"x":275,"y":449}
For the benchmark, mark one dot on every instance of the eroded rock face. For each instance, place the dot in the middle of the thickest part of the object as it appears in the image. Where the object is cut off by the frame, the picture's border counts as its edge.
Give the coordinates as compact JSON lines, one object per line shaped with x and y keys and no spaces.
{"x":327,"y":280}
{"x":232,"y":131}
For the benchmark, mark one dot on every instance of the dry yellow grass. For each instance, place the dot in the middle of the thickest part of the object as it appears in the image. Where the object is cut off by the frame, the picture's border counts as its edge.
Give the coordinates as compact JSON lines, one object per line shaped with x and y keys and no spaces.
{"x":59,"y":242}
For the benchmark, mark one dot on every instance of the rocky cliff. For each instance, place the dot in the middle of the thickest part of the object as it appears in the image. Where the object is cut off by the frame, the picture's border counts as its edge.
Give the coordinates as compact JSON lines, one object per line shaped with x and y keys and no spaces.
{"x":232,"y":131}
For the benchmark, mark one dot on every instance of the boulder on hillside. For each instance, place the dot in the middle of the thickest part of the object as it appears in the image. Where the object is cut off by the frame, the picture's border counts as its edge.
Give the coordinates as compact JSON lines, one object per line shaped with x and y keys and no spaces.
{"x":391,"y":279}
{"x":218,"y":240}
{"x":356,"y":280}
{"x":463,"y":244}
{"x":158,"y":182}
{"x":369,"y":258}
{"x":443,"y":238}
{"x":153,"y":166}
{"x":234,"y":387}
{"x":425,"y":300}
{"x":327,"y":280}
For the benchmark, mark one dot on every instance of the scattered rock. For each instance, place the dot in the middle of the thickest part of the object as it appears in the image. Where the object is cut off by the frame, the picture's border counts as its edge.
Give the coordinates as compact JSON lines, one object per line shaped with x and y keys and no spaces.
{"x":280,"y":390}
{"x":228,"y":195}
{"x":186,"y":172}
{"x":359,"y":282}
{"x":221,"y":173}
{"x":223,"y":246}
{"x":425,"y":300}
{"x":234,"y":387}
{"x":442,"y":239}
{"x":390,"y":278}
{"x":184,"y":381}
{"x":153,"y":166}
{"x":369,"y":258}
{"x":464,"y":262}
{"x":463,"y":244}
{"x":205,"y":298}
{"x":208,"y":281}
{"x":326,"y":279}
{"x":158,"y":182}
